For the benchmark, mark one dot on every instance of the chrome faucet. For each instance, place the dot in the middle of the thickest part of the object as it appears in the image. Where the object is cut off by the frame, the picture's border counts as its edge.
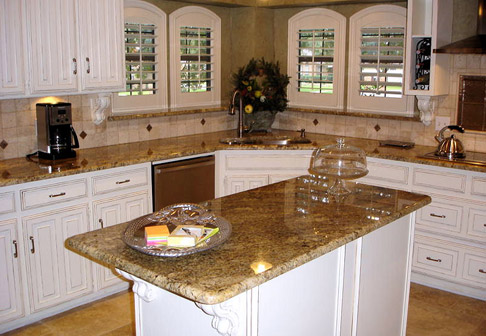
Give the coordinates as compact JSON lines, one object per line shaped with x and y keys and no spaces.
{"x":232,"y":111}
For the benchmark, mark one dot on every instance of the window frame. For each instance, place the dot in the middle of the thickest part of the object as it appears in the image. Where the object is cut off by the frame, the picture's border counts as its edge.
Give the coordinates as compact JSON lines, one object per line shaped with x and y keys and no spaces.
{"x":375,"y":17}
{"x":317,"y":18}
{"x":194,"y":16}
{"x":144,"y":12}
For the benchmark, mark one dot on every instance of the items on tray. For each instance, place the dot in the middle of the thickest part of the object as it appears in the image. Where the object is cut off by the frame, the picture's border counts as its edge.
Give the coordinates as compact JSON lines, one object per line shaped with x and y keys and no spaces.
{"x":181,"y":236}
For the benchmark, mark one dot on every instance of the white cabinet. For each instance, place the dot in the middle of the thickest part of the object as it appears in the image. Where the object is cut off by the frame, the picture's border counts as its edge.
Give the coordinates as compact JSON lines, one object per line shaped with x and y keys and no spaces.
{"x":11,"y":49}
{"x":114,"y":211}
{"x":11,"y":305}
{"x":56,"y":274}
{"x":101,"y":37}
{"x":73,"y":46}
{"x":240,"y":170}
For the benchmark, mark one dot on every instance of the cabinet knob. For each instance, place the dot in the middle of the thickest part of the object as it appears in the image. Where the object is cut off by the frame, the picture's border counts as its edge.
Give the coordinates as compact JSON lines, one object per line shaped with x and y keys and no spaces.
{"x":75,"y":66}
{"x":16,"y":251}
{"x":32,"y":250}
{"x":101,"y":223}
{"x":57,"y":195}
{"x":438,"y":216}
{"x":434,"y":260}
{"x":88,"y":70}
{"x":482,"y":271}
{"x":122,"y":182}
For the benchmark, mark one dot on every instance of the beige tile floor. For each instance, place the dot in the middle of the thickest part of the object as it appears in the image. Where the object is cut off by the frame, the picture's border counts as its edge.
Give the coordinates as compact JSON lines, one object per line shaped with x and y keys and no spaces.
{"x":431,"y":313}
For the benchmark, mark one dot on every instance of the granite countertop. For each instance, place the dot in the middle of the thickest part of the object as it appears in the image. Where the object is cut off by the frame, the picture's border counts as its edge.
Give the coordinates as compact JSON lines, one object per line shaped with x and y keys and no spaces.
{"x":20,"y":170}
{"x":276,"y":228}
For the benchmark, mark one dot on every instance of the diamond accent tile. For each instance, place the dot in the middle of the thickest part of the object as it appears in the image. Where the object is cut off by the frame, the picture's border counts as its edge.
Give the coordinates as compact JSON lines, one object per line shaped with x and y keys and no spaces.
{"x":83,"y":134}
{"x":377,"y":127}
{"x":84,"y":162}
{"x":315,"y":122}
{"x":203,"y":121}
{"x":3,"y":144}
{"x":149,"y":127}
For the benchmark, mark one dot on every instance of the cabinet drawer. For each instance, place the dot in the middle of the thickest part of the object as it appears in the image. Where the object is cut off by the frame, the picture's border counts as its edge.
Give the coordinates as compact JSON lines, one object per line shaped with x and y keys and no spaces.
{"x":478,"y":186}
{"x":440,"y":215}
{"x":116,"y":181}
{"x":265,"y":162}
{"x":53,"y":194}
{"x":7,"y":202}
{"x":475,"y":268}
{"x":386,"y":172}
{"x":434,"y":259}
{"x":476,"y":223}
{"x":439,"y":180}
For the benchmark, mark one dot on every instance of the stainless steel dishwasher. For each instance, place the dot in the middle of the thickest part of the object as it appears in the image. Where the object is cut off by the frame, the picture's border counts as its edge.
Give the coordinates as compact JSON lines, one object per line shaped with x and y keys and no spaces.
{"x":184,"y":181}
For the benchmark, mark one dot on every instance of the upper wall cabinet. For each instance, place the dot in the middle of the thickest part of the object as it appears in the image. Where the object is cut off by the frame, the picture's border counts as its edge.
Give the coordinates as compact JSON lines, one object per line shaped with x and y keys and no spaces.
{"x":72,"y":46}
{"x":429,"y":26}
{"x":11,"y":46}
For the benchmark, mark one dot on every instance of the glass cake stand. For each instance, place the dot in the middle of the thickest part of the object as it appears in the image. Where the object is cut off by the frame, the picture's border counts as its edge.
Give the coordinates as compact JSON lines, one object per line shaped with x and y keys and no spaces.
{"x":341,"y":162}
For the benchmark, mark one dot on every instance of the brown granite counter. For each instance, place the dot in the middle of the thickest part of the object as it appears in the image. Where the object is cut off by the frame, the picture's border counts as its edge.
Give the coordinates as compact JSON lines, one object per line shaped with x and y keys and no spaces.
{"x":20,"y":170}
{"x":276,"y":228}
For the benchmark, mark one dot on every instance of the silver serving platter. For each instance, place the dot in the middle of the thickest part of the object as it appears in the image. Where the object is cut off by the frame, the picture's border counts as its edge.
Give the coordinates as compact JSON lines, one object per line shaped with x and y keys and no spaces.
{"x":173,"y":215}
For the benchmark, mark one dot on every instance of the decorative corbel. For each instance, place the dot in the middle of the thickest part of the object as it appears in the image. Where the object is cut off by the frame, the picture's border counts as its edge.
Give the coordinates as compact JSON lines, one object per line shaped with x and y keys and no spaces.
{"x":98,"y":108}
{"x":427,"y":106}
{"x":141,"y":288}
{"x":225,"y":317}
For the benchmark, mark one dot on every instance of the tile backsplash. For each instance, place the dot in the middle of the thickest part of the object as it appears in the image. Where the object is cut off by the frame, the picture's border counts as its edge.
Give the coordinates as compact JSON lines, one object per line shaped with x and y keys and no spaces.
{"x":18,"y":133}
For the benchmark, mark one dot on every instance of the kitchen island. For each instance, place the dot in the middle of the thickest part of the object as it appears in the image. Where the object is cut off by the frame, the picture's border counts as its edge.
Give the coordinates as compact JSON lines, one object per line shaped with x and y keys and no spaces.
{"x":298,"y":262}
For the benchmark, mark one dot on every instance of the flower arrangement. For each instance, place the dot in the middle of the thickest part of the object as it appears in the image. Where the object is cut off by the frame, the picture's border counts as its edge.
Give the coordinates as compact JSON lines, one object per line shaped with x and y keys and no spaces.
{"x":262,"y":87}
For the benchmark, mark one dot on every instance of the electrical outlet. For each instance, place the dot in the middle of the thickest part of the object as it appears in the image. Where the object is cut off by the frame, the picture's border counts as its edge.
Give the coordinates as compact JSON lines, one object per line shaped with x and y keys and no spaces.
{"x":441,"y":122}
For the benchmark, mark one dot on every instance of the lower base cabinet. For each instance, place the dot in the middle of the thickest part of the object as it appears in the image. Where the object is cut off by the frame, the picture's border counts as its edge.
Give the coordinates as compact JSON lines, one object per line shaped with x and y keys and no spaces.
{"x":55,"y":274}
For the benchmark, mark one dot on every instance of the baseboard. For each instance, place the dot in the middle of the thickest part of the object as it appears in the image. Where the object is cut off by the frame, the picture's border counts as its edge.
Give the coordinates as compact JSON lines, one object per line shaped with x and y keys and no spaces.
{"x":448,"y":286}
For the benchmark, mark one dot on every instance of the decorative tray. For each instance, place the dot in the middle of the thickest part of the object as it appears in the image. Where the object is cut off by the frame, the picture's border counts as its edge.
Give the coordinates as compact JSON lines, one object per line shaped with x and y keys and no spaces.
{"x":173,"y":215}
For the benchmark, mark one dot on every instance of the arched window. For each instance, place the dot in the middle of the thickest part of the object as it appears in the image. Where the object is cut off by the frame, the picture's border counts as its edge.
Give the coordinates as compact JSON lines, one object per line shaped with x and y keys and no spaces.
{"x":376,"y":61}
{"x":195,"y":57}
{"x":316,"y":41}
{"x":145,"y":59}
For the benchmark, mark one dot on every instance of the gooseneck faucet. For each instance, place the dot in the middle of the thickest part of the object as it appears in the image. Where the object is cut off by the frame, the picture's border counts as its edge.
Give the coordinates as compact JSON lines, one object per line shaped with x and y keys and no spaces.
{"x":232,"y":111}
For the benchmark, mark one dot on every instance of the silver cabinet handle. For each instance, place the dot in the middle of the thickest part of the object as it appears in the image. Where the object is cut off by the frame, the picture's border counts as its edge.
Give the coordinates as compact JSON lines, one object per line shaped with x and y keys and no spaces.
{"x":57,"y":195}
{"x":75,"y":64}
{"x":482,"y":271}
{"x":438,"y":216}
{"x":32,"y":250}
{"x":101,"y":223}
{"x":121,"y":182}
{"x":88,"y":70}
{"x":16,"y":251}
{"x":432,"y":259}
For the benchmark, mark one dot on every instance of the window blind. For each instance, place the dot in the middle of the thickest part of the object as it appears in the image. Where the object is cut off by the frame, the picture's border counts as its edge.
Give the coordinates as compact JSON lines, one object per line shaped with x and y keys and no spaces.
{"x":381,"y":63}
{"x":315,"y":60}
{"x":140,"y":59}
{"x":196,"y":59}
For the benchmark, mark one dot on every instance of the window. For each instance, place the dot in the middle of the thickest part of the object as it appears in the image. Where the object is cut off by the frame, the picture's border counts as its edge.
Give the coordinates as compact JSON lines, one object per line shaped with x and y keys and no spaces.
{"x":316,"y":58}
{"x":145,"y":59}
{"x":195,"y":69}
{"x":376,"y":61}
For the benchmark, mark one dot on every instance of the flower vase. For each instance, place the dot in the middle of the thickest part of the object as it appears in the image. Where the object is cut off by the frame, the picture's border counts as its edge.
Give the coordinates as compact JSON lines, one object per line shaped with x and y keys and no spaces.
{"x":260,"y":121}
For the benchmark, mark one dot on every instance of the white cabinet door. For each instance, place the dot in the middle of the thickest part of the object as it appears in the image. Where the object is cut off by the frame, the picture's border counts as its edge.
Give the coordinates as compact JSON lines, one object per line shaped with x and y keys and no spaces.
{"x":52,"y":28}
{"x":10,"y":285}
{"x":11,"y":47}
{"x":56,"y":274}
{"x":114,"y":211}
{"x":102,"y":44}
{"x":236,"y":184}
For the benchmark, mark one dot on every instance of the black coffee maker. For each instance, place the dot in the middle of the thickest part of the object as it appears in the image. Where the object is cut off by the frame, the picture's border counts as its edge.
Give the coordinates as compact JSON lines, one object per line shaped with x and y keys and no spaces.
{"x":56,"y":137}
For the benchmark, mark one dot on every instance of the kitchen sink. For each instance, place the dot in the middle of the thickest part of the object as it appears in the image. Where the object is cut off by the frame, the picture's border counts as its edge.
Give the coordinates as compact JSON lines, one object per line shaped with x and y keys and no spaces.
{"x":473,"y":158}
{"x":266,"y":140}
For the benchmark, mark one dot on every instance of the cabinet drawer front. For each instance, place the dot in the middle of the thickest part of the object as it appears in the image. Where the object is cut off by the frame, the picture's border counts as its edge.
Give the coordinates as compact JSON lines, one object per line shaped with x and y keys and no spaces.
{"x":53,"y":194}
{"x":7,"y":202}
{"x":440,"y":215}
{"x":385,"y":172}
{"x":478,"y":186}
{"x":439,"y":180}
{"x":475,"y":268}
{"x":435,"y":259}
{"x":273,"y":162}
{"x":477,"y":223}
{"x":128,"y":179}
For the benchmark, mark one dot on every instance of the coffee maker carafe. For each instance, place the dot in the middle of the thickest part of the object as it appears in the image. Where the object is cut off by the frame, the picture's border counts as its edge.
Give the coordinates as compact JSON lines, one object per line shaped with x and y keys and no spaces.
{"x":56,"y":137}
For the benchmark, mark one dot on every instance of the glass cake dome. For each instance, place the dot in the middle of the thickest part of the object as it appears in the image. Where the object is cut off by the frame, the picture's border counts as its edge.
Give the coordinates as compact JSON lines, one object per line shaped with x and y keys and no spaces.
{"x":341,"y":162}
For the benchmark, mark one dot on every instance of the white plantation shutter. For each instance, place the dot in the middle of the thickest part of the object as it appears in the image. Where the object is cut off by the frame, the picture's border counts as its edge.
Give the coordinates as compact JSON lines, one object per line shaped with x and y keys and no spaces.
{"x":381,"y":62}
{"x":196,"y":56}
{"x":315,"y":65}
{"x":140,"y":59}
